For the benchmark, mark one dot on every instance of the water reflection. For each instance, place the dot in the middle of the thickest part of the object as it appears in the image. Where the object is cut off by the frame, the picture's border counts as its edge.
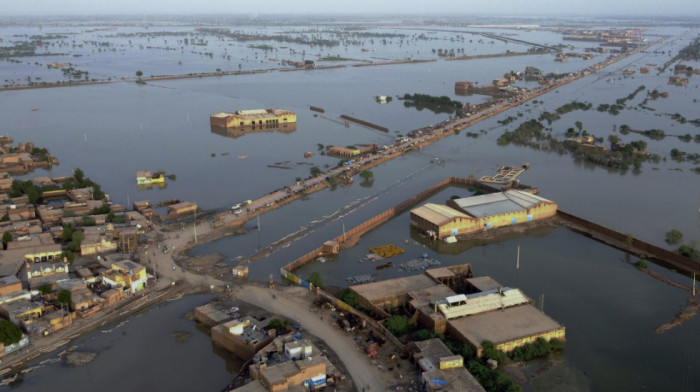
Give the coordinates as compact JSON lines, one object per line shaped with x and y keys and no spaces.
{"x":458,"y":247}
{"x":235,"y":133}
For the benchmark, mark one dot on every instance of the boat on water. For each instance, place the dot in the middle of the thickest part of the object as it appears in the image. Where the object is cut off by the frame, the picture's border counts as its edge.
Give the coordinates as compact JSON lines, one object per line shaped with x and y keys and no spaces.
{"x":308,"y":154}
{"x":385,"y":265}
{"x":145,"y":177}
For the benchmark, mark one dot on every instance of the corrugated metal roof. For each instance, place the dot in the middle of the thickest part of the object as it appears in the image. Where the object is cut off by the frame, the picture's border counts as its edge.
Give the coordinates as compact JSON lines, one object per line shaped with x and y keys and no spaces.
{"x":499,"y":203}
{"x":482,"y":302}
{"x":437,"y":214}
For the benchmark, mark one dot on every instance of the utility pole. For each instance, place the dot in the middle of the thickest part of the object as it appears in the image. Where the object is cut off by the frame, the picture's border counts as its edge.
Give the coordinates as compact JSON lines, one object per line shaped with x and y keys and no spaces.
{"x":258,"y":222}
{"x":344,"y":232}
{"x":693,"y":284}
{"x":517,"y":266}
{"x":195,"y":224}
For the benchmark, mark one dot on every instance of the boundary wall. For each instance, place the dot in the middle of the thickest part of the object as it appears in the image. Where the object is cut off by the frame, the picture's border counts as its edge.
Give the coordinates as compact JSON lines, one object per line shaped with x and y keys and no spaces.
{"x":598,"y":232}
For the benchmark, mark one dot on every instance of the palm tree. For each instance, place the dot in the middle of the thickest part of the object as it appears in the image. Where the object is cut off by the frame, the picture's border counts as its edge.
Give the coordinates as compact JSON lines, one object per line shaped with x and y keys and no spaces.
{"x":139,"y":74}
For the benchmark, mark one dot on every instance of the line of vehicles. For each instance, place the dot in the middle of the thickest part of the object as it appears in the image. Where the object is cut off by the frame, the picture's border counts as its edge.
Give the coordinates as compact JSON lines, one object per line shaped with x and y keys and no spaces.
{"x":236,"y":208}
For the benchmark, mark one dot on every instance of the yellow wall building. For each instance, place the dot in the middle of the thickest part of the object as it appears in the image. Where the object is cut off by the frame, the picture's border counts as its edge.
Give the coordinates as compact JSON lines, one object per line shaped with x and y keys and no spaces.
{"x":253,"y":118}
{"x":483,"y":212}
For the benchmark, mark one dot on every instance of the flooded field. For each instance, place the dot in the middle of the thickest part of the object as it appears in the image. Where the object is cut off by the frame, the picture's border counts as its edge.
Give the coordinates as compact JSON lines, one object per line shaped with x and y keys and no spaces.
{"x":112,"y":130}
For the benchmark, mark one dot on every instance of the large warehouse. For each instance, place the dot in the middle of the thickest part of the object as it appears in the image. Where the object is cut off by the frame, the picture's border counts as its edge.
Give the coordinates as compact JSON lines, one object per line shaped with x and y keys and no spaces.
{"x":476,"y":213}
{"x":471,"y":309}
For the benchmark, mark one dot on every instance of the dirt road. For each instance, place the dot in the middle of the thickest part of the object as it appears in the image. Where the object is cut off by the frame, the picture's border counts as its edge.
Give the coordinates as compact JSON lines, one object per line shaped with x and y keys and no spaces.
{"x":291,"y":303}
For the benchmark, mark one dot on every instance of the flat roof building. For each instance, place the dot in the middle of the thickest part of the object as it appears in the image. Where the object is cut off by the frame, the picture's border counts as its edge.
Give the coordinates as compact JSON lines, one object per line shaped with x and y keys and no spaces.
{"x":478,"y":213}
{"x":252,"y":118}
{"x":450,"y":299}
{"x":442,"y":370}
{"x":507,"y":329}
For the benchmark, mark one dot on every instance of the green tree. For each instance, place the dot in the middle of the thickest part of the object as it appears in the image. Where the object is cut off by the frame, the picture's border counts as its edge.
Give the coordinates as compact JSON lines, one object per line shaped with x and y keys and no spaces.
{"x":613,"y":139}
{"x":579,"y":126}
{"x":315,"y":171}
{"x":75,"y":241}
{"x":68,"y":255}
{"x":316,"y":280}
{"x":9,"y":333}
{"x":366,"y":174}
{"x":6,"y":238}
{"x":139,"y":74}
{"x":423,"y":334}
{"x":673,"y":237}
{"x":276,"y":323}
{"x":64,"y":297}
{"x":398,"y":325}
{"x":349,"y":297}
{"x":45,"y":288}
{"x":491,"y":352}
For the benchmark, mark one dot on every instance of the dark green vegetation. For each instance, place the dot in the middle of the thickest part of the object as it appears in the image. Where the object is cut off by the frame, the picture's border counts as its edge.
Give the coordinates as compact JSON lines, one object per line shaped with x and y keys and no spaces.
{"x":537,"y":349}
{"x":690,"y":251}
{"x":399,"y":325}
{"x":619,"y":104}
{"x":349,"y":297}
{"x":335,"y":58}
{"x":550,"y":117}
{"x":673,"y":237}
{"x":45,"y":288}
{"x":64,"y":297}
{"x":287,"y":38}
{"x":443,"y":104}
{"x":690,"y":52}
{"x":72,"y":237}
{"x":642,"y":264}
{"x":316,"y":280}
{"x":533,"y":134}
{"x":6,"y":238}
{"x":491,"y":352}
{"x":492,"y":380}
{"x":80,"y":181}
{"x":681,"y":156}
{"x":9,"y":333}
{"x":276,"y":323}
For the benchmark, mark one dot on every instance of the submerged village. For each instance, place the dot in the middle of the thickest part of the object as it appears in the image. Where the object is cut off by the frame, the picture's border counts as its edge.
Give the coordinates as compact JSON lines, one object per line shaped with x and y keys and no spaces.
{"x":359,"y":308}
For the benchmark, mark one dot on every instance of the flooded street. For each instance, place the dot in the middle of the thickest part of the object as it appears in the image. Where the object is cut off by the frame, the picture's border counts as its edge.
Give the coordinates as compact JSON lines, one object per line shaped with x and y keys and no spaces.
{"x":608,"y":307}
{"x":142,"y":352}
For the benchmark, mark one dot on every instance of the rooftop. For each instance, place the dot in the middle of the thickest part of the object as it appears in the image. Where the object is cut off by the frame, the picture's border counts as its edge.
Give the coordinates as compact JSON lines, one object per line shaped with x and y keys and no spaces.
{"x":484,"y":283}
{"x":498,"y":203}
{"x":7,"y":280}
{"x":504,"y":325}
{"x":465,"y":305}
{"x":458,"y":379}
{"x":389,"y":288}
{"x":437,"y":214}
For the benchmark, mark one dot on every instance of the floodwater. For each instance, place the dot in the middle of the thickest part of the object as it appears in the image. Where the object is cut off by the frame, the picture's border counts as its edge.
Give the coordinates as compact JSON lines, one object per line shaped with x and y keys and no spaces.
{"x":141,"y":355}
{"x":608,"y":308}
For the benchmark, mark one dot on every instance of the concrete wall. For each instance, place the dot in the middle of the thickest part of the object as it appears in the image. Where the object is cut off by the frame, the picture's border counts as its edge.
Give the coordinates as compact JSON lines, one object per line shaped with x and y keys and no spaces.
{"x":508,"y":345}
{"x":243,"y":350}
{"x":627,"y":243}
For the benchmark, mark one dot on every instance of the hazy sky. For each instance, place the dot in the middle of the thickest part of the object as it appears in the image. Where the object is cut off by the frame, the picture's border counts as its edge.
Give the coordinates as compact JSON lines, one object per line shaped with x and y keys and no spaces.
{"x":252,"y":7}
